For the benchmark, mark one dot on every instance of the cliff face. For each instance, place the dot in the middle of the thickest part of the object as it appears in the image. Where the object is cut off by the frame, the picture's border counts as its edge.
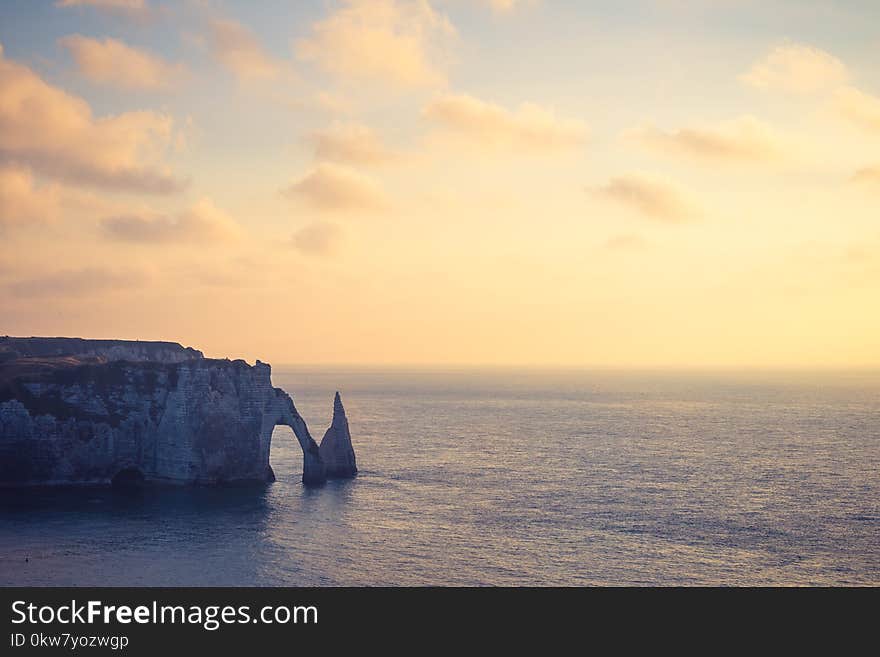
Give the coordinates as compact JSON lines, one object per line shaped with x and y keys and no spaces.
{"x":131,"y":350}
{"x":93,"y":412}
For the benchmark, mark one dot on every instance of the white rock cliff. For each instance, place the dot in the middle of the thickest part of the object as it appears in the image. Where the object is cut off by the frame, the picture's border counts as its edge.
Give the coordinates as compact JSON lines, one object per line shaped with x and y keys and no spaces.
{"x":95,"y":412}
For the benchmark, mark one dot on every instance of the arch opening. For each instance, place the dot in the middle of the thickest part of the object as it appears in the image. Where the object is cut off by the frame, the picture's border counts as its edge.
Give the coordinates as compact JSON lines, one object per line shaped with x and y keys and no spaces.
{"x":128,"y":478}
{"x":285,"y":454}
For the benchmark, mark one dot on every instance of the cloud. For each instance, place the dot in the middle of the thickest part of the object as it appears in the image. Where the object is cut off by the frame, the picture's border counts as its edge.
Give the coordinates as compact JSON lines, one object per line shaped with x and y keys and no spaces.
{"x":869,"y":175}
{"x":334,"y":187}
{"x":54,"y":133}
{"x":113,"y":63}
{"x":202,"y":223}
{"x":497,"y":6}
{"x":859,"y":108}
{"x":795,"y":68}
{"x":744,"y":138}
{"x":239,"y":50}
{"x":318,"y":238}
{"x":530,"y":127}
{"x":76,"y":283}
{"x":393,"y":41}
{"x":26,"y":201}
{"x":507,"y":6}
{"x":651,"y":196}
{"x":21,"y":202}
{"x":349,"y":143}
{"x":502,"y":6}
{"x":803,"y":69}
{"x":136,"y":9}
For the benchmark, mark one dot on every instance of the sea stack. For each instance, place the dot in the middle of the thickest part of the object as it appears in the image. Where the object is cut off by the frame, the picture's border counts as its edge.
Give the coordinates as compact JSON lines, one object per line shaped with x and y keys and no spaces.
{"x":336,"y":450}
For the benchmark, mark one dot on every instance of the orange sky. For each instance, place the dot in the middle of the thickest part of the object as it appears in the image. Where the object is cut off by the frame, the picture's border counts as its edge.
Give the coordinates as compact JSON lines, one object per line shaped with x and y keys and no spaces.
{"x":656,"y":183}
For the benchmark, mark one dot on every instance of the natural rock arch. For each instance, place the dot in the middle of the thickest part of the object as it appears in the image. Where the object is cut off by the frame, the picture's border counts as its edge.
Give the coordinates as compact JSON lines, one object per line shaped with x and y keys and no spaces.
{"x":284,"y":413}
{"x":334,"y":458}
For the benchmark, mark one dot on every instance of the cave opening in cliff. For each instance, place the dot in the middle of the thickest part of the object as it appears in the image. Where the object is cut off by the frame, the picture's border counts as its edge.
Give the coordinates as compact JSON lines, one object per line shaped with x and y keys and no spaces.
{"x":128,"y":478}
{"x":285,"y":455}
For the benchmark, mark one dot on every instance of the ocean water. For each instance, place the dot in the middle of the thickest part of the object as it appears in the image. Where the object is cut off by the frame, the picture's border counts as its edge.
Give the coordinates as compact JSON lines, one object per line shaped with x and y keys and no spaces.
{"x":507,"y":477}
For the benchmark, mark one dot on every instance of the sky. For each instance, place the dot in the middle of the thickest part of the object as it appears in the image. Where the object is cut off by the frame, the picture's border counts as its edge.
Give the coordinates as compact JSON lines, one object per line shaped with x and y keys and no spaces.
{"x":630,"y":183}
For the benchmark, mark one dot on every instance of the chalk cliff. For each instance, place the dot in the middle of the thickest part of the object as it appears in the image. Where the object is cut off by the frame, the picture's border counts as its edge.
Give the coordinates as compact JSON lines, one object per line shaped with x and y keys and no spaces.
{"x":113,"y":411}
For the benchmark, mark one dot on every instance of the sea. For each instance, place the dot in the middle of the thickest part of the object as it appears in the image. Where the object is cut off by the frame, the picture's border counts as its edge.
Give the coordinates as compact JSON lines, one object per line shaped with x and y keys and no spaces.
{"x":506,"y":477}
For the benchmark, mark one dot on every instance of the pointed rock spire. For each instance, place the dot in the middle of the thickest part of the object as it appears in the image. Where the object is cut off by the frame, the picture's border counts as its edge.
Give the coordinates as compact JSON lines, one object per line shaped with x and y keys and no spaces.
{"x":336,"y":449}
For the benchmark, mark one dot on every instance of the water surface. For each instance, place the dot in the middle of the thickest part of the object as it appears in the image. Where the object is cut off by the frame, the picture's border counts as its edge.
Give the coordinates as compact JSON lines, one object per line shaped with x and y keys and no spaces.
{"x":507,"y":477}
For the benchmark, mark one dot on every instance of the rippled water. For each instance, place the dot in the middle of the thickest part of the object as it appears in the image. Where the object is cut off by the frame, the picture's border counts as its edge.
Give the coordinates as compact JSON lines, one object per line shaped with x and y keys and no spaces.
{"x":508,"y":477}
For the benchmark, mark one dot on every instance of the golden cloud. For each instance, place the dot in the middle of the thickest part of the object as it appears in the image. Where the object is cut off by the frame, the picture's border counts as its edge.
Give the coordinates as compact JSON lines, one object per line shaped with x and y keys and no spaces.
{"x":507,"y":6}
{"x":26,"y":201}
{"x":55,"y":134}
{"x":744,"y":138}
{"x":239,"y":50}
{"x":76,"y":283}
{"x":349,"y":143}
{"x":394,"y":41}
{"x":530,"y":127}
{"x":868,"y":175}
{"x":318,"y":238}
{"x":20,"y":200}
{"x":334,"y":187}
{"x":798,"y":69}
{"x":202,"y":223}
{"x":112,"y":62}
{"x":652,"y":196}
{"x":859,"y":108}
{"x":497,"y":6}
